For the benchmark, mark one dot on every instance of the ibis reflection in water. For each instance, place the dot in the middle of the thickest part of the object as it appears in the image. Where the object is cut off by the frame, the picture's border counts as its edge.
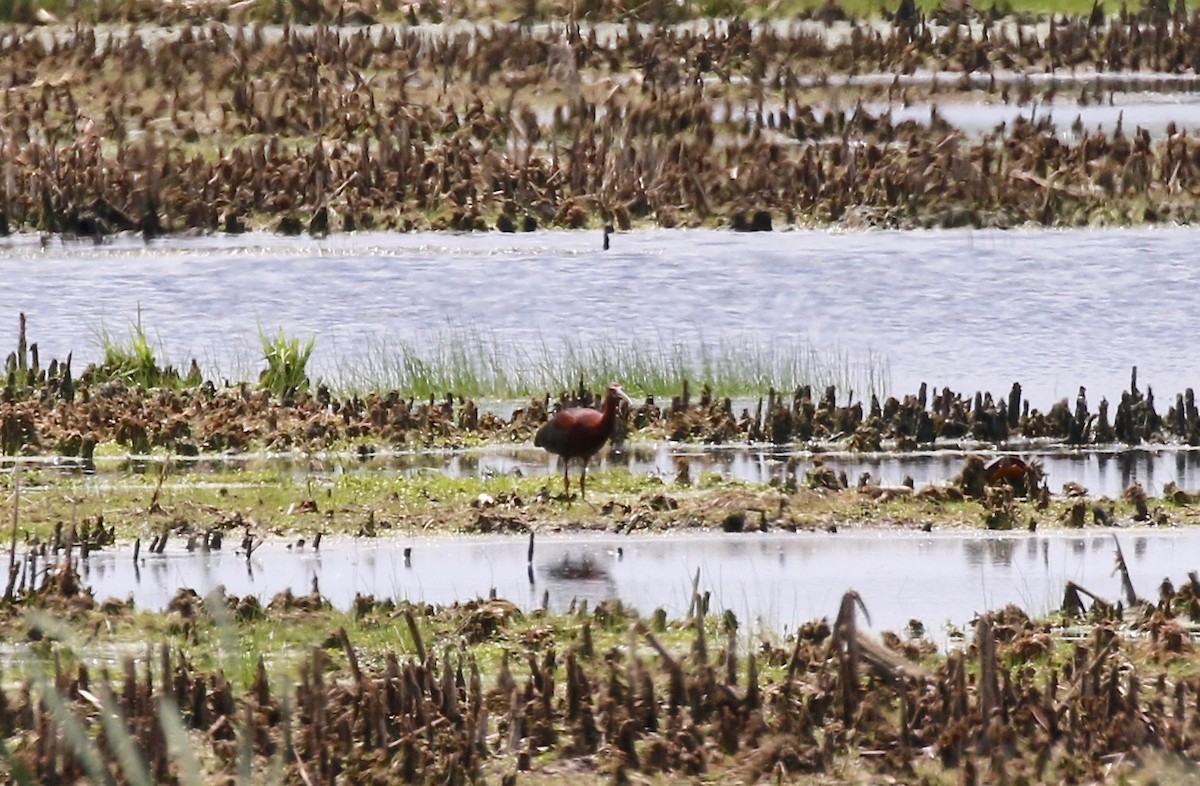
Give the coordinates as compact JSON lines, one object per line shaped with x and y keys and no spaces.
{"x":582,"y":573}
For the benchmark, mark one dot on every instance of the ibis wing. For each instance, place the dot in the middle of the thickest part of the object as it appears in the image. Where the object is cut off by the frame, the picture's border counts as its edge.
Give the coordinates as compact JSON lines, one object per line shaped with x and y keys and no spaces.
{"x":572,"y":432}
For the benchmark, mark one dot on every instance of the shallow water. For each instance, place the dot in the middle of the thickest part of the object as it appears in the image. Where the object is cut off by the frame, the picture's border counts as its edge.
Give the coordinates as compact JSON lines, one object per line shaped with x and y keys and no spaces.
{"x":968,"y":309}
{"x":770,"y":581}
{"x":1103,"y":473}
{"x":1153,"y":113}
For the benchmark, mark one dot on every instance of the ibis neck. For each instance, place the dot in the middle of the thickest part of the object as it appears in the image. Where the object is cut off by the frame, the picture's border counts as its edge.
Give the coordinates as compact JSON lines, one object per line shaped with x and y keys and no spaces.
{"x":610,"y":414}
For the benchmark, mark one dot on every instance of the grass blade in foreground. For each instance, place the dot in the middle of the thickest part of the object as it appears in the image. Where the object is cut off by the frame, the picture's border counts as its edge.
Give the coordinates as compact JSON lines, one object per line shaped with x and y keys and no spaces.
{"x":178,"y":743}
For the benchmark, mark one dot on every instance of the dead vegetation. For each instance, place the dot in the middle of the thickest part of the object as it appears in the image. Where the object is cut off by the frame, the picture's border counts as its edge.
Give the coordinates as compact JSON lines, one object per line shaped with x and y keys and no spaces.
{"x":45,"y":409}
{"x":834,"y":700}
{"x":222,"y":128}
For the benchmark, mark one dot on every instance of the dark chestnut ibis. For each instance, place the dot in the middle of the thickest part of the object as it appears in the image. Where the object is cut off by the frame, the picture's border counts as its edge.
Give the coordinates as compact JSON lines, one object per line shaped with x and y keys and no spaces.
{"x":1005,"y":468}
{"x":580,"y":432}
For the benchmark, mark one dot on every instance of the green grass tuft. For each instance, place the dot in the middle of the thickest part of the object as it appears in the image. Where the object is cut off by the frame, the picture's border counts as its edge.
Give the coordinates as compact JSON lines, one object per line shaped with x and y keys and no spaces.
{"x":287,"y":363}
{"x":134,"y":363}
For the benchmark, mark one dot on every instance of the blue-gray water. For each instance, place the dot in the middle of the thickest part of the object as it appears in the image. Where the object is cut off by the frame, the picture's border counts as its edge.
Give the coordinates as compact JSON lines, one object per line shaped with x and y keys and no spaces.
{"x":973,"y":310}
{"x":771,"y":581}
{"x":969,"y":309}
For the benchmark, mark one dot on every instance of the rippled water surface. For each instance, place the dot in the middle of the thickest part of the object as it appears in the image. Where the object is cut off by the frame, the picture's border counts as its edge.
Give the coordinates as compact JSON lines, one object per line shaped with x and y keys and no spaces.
{"x":771,"y":582}
{"x":968,"y":309}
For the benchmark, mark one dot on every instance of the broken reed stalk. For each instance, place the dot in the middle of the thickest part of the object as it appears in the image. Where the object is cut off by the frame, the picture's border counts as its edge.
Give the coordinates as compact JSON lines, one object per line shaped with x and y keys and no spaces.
{"x":288,"y":747}
{"x":529,"y":559}
{"x":845,"y":643}
{"x":415,"y":633}
{"x":251,"y":543}
{"x":695,"y":594}
{"x":1126,"y":583}
{"x":989,"y":686}
{"x":449,"y":690}
{"x":351,"y":656}
{"x":154,"y":506}
{"x":13,"y":570}
{"x":22,"y":342}
{"x":1081,"y":675}
{"x":730,"y":656}
{"x":1072,"y":602}
{"x":677,"y":689}
{"x":700,"y":644}
{"x":667,"y":658}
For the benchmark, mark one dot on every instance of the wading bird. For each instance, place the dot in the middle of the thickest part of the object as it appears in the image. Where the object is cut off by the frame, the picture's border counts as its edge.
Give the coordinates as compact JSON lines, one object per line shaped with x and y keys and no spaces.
{"x":580,"y":432}
{"x":1005,"y":468}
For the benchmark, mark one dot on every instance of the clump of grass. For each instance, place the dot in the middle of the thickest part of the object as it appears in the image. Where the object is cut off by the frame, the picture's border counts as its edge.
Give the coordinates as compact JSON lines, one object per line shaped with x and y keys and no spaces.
{"x":287,"y":362}
{"x":486,"y":365}
{"x":134,"y":362}
{"x":482,"y":363}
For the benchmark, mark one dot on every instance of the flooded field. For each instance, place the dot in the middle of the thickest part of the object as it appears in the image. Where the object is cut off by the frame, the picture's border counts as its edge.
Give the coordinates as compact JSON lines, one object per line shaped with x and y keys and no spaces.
{"x":385,"y":186}
{"x":972,"y":310}
{"x":771,"y":582}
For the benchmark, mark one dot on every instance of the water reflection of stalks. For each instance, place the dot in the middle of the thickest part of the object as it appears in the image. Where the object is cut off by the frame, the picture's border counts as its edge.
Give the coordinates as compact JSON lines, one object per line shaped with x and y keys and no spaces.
{"x":334,"y":129}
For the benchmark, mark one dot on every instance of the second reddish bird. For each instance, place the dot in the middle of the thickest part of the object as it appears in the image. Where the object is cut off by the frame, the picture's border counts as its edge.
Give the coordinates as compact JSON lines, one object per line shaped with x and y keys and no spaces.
{"x":580,"y":432}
